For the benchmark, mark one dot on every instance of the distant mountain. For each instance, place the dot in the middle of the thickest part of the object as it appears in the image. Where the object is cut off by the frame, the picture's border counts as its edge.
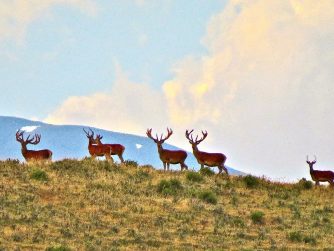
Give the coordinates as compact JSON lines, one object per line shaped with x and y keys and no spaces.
{"x":69,"y":141}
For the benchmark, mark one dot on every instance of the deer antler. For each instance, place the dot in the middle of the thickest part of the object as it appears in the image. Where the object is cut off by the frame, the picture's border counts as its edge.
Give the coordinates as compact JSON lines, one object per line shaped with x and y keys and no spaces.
{"x":34,"y":140}
{"x":87,"y":133}
{"x":19,"y":136}
{"x":196,"y":141}
{"x":189,"y":136}
{"x":162,"y":138}
{"x":98,"y":136}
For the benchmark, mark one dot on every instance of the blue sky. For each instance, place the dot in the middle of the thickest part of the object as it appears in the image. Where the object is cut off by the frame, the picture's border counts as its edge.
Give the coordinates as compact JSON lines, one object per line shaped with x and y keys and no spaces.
{"x":256,"y":74}
{"x":68,"y":52}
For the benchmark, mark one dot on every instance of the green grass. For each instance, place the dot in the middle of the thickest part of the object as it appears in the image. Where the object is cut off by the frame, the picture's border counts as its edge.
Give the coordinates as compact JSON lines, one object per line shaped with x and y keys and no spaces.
{"x":97,"y":205}
{"x":38,"y":174}
{"x":208,"y":197}
{"x":257,"y":217}
{"x":194,"y":176}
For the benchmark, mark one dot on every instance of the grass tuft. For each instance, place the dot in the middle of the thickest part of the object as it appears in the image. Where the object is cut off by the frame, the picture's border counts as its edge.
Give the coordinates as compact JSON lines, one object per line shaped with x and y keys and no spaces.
{"x":194,"y":176}
{"x":257,"y":217}
{"x":38,"y":174}
{"x":251,"y":181}
{"x":206,"y":171}
{"x":58,"y":248}
{"x":208,"y":197}
{"x":169,"y":187}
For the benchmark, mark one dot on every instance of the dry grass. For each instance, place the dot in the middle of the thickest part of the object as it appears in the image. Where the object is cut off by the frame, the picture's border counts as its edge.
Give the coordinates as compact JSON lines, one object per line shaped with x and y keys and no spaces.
{"x":92,"y":205}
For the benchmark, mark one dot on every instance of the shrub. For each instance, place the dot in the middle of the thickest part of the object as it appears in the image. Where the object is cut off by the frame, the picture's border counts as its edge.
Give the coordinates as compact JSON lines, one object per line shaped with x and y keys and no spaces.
{"x":194,"y":177}
{"x":58,"y":248}
{"x":169,"y":187}
{"x":38,"y":174}
{"x":251,"y":181}
{"x":310,"y":240}
{"x":305,"y":184}
{"x":257,"y":217}
{"x":131,"y":163}
{"x":208,"y":197}
{"x":206,"y":171}
{"x":295,"y":236}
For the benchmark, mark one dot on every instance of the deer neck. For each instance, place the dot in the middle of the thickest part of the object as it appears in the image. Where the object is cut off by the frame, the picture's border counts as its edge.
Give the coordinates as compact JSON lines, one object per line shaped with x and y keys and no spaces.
{"x":24,"y":149}
{"x":311,"y":168}
{"x":195,"y":150}
{"x":160,"y":149}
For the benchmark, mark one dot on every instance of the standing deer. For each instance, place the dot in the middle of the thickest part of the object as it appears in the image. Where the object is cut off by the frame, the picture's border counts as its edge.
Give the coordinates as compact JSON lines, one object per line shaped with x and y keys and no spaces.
{"x":168,"y":156}
{"x":116,"y":149}
{"x":31,"y":155}
{"x":97,"y":150}
{"x":320,"y":176}
{"x":204,"y":158}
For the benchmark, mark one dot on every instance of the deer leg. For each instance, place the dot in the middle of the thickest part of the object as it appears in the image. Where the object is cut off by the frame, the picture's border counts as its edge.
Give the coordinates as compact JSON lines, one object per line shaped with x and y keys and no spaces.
{"x":167,"y":166}
{"x":317,"y":183}
{"x":164,"y":165}
{"x":222,"y":167}
{"x":331,"y":183}
{"x":183,"y":166}
{"x":121,"y":158}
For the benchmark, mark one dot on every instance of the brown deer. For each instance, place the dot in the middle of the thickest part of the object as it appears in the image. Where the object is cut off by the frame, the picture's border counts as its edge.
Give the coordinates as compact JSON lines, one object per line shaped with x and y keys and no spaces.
{"x":97,"y":150}
{"x":204,"y":158}
{"x":116,"y":149}
{"x":31,"y":155}
{"x":168,"y":156}
{"x":320,"y":176}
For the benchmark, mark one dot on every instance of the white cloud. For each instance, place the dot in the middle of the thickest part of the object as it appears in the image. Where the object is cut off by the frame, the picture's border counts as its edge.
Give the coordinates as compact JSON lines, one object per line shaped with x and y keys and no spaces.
{"x":17,"y":15}
{"x":128,"y":107}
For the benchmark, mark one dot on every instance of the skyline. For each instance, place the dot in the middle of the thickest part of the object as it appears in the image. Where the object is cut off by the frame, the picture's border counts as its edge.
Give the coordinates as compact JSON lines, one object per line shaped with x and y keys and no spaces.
{"x":257,"y":75}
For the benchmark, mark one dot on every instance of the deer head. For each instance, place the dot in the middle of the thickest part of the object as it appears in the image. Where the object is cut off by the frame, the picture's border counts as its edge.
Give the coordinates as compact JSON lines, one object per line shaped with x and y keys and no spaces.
{"x":90,"y":136}
{"x":311,"y":163}
{"x":195,"y":142}
{"x":24,"y":142}
{"x":98,"y":139}
{"x":162,"y":139}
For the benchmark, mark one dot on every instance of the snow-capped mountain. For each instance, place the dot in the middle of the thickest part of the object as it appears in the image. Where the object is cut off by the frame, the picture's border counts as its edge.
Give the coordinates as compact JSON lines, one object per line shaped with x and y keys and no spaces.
{"x":69,"y":141}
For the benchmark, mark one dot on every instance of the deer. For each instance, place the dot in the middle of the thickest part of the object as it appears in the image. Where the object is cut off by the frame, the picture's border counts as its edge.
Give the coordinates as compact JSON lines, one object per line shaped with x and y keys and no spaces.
{"x":116,"y":149}
{"x":168,"y":156}
{"x":97,"y":150}
{"x":320,"y":176}
{"x":204,"y":158}
{"x":32,"y":155}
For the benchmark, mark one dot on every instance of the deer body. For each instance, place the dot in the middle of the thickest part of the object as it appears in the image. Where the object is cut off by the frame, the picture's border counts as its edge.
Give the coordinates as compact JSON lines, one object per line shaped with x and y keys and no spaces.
{"x":204,"y":158}
{"x":97,"y":150}
{"x":32,"y":155}
{"x":168,"y":156}
{"x":320,"y":176}
{"x":115,"y":149}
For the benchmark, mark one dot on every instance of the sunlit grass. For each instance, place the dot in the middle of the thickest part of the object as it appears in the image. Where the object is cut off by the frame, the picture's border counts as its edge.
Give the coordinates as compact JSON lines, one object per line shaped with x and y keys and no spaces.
{"x":97,"y":205}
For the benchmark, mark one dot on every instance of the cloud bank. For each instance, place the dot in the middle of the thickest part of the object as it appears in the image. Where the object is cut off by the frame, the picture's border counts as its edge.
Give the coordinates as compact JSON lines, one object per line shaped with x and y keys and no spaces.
{"x":17,"y":15}
{"x":264,"y":90}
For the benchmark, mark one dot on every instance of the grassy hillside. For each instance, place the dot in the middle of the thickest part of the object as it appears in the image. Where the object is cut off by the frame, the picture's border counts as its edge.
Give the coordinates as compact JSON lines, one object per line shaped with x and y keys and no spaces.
{"x":92,"y":205}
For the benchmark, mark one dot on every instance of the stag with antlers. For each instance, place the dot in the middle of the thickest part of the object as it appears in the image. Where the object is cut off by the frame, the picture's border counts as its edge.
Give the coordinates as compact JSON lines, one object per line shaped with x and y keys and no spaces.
{"x":116,"y":149}
{"x":204,"y":158}
{"x":31,"y":155}
{"x":168,"y":156}
{"x":97,"y":150}
{"x":320,"y":176}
